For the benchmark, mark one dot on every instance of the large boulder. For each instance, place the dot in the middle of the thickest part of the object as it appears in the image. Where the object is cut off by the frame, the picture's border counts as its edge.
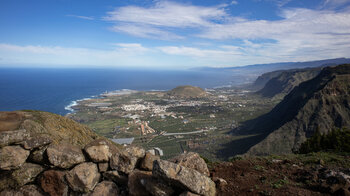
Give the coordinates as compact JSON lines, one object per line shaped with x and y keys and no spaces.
{"x":12,"y":157}
{"x":27,"y":190}
{"x":192,"y":160}
{"x":103,"y":167}
{"x":83,"y":177}
{"x":184,"y":178}
{"x":134,"y":184}
{"x":156,"y":187}
{"x":98,"y":151}
{"x":147,"y":161}
{"x":39,"y":156}
{"x":65,"y":155}
{"x":125,"y":161}
{"x":31,"y":190}
{"x":188,"y":193}
{"x":53,"y":183}
{"x":114,"y":176}
{"x":35,"y":142}
{"x":105,"y":188}
{"x":11,"y":137}
{"x":26,"y":174}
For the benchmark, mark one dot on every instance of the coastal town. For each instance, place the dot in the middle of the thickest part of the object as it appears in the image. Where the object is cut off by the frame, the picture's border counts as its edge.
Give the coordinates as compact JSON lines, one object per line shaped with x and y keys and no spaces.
{"x":171,"y":122}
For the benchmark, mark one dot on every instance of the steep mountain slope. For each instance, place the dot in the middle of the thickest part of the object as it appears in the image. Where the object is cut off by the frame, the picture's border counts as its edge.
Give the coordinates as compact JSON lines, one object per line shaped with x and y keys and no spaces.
{"x":320,"y":103}
{"x":285,"y":81}
{"x":187,"y":92}
{"x":261,"y":81}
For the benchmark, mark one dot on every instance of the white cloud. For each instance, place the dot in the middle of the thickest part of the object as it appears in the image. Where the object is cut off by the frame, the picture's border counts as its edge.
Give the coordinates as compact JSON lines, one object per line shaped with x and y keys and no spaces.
{"x":169,"y":14}
{"x":299,"y":35}
{"x":234,"y":2}
{"x":124,"y":54}
{"x":148,"y":22}
{"x":145,"y":31}
{"x":81,"y":17}
{"x":203,"y":53}
{"x":332,"y":4}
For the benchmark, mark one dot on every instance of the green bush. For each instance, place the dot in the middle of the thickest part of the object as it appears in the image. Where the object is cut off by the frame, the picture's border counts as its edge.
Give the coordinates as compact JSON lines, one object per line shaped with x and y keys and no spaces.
{"x":337,"y":140}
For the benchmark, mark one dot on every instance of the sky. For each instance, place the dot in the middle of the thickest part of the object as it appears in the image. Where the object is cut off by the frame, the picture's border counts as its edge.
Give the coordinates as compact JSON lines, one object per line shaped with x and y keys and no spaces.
{"x":166,"y":34}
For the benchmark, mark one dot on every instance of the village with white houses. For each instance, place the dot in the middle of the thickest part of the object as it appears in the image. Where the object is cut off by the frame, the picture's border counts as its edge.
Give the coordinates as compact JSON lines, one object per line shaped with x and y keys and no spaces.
{"x":171,"y":122}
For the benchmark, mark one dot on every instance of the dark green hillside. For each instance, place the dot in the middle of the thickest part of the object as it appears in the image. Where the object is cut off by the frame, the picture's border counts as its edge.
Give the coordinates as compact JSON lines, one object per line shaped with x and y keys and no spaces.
{"x":338,"y":140}
{"x":322,"y":102}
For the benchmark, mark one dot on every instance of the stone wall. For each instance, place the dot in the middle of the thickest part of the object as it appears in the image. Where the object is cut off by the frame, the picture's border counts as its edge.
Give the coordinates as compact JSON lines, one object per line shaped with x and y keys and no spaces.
{"x":36,"y":166}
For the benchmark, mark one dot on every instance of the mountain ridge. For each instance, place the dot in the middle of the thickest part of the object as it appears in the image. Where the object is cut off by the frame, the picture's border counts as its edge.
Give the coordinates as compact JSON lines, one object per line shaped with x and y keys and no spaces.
{"x":322,"y":102}
{"x":285,"y":81}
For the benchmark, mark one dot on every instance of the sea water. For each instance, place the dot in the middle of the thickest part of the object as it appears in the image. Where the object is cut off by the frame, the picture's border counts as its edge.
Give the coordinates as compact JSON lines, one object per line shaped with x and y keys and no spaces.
{"x":57,"y":90}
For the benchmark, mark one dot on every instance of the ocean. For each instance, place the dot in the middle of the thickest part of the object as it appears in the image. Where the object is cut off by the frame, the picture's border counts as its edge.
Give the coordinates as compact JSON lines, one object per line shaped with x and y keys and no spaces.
{"x":54,"y":90}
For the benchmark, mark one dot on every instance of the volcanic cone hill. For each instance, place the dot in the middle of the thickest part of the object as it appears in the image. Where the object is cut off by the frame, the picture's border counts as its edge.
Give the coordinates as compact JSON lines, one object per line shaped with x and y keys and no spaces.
{"x":321,"y":103}
{"x":187,"y":92}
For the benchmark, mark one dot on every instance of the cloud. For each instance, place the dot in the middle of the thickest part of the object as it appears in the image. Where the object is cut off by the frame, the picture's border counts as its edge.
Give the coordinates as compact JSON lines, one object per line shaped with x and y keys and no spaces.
{"x":332,"y":4}
{"x":234,"y":2}
{"x":124,"y":54}
{"x":148,"y":22}
{"x":202,"y":53}
{"x":145,"y":31}
{"x":300,"y":34}
{"x":81,"y":17}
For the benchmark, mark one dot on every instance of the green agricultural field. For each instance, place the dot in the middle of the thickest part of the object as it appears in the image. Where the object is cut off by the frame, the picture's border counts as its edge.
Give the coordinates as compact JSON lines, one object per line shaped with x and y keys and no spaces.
{"x":164,"y":114}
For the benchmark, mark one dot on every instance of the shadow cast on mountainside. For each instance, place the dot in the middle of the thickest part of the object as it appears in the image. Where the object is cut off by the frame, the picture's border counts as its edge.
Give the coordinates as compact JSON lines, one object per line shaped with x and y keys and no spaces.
{"x":239,"y":146}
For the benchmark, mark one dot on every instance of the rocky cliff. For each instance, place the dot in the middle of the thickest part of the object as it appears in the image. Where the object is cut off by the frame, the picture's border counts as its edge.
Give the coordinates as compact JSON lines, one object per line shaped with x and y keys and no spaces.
{"x":46,"y":154}
{"x":285,"y":81}
{"x":321,"y":103}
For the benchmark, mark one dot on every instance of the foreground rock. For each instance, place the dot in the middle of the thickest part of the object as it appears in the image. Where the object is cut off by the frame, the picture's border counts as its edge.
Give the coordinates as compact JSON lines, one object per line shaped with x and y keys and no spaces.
{"x":147,"y":161}
{"x":65,"y":155}
{"x":27,"y":190}
{"x":184,"y":177}
{"x":53,"y":183}
{"x":35,"y":142}
{"x":55,"y":156}
{"x":98,"y":151}
{"x":134,"y":184}
{"x":191,"y":160}
{"x":114,"y":176}
{"x":26,"y":174}
{"x":83,"y":177}
{"x":157,"y":187}
{"x":11,"y":137}
{"x":12,"y":157}
{"x":105,"y":188}
{"x":126,"y":161}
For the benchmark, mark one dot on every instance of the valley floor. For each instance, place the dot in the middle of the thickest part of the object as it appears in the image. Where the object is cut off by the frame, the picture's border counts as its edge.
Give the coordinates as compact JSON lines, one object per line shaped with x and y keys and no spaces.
{"x":156,"y":120}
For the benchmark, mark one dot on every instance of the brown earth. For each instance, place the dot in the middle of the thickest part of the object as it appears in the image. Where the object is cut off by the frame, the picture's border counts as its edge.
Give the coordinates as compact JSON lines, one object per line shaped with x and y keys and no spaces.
{"x":260,"y":176}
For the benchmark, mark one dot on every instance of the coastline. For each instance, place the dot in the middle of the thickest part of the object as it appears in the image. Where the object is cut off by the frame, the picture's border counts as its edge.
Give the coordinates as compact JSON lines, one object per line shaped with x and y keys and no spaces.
{"x":74,"y":103}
